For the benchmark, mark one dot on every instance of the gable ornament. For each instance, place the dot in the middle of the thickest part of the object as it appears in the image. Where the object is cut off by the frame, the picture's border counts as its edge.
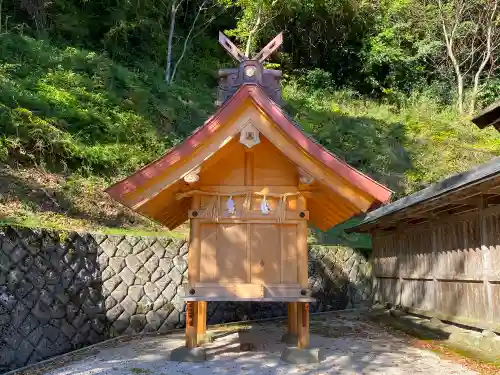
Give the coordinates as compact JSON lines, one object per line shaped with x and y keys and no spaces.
{"x":249,"y":135}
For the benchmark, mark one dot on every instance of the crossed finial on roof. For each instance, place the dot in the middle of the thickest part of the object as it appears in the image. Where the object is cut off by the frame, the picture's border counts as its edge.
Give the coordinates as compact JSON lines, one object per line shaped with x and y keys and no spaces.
{"x":235,"y":52}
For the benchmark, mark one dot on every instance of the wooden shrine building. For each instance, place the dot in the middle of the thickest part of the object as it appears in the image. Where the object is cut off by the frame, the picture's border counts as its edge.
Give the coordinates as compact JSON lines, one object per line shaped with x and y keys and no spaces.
{"x":249,"y":181}
{"x":437,"y":252}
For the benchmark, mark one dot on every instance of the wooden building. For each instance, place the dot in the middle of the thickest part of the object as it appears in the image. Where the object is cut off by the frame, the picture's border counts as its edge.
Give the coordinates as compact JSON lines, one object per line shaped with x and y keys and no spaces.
{"x":437,"y":252}
{"x":249,"y":181}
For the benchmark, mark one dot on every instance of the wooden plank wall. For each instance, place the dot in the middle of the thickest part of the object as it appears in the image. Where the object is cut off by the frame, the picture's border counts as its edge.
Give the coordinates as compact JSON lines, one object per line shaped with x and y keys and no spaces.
{"x":449,"y":269}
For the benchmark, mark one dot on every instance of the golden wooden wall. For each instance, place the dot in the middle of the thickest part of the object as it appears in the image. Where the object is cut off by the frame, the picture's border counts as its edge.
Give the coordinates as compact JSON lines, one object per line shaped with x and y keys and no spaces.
{"x":449,"y":269}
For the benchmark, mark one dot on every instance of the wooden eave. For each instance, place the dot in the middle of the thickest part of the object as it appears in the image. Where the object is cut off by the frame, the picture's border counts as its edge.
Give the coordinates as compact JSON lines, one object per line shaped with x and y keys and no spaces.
{"x":459,"y":194}
{"x":489,"y":116}
{"x":343,"y":191}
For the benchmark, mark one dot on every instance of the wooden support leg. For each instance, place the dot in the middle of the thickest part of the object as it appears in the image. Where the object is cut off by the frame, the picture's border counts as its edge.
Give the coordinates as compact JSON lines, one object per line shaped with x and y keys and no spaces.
{"x":190,"y":325}
{"x":303,"y":325}
{"x":292,"y":318}
{"x":201,"y":321}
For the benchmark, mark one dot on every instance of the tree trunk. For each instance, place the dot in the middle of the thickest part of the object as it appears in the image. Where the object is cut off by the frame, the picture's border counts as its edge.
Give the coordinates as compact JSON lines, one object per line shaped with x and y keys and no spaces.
{"x":486,"y":58}
{"x":186,"y":41}
{"x":173,"y":12}
{"x":449,"y":40}
{"x":460,"y":91}
{"x":475,"y":91}
{"x":254,"y":30}
{"x":460,"y":80}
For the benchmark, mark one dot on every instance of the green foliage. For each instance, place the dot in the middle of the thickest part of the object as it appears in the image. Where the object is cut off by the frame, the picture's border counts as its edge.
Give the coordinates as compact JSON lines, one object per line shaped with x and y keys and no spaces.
{"x":77,"y":109}
{"x":137,"y":370}
{"x":338,"y":236}
{"x":490,"y":91}
{"x":83,"y":89}
{"x":405,"y":146}
{"x":401,"y":52}
{"x":325,"y":34}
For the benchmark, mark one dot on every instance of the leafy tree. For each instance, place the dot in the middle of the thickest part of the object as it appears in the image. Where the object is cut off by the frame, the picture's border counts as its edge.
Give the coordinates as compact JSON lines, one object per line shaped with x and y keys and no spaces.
{"x":319,"y":34}
{"x":471,"y":31}
{"x":405,"y":48}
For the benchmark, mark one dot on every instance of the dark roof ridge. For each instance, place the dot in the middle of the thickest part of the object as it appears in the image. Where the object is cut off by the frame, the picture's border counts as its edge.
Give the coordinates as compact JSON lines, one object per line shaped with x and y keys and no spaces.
{"x":434,"y":190}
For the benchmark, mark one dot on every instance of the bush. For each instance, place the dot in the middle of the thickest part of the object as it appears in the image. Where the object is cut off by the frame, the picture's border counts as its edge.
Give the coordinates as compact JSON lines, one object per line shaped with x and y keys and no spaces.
{"x":70,"y":108}
{"x":405,"y":145}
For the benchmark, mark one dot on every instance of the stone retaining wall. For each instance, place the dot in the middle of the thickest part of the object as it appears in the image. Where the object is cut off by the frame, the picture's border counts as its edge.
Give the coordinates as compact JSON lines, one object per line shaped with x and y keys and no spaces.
{"x":64,"y":290}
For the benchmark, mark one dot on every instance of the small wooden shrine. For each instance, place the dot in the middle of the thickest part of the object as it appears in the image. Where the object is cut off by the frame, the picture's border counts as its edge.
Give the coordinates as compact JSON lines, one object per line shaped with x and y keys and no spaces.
{"x":249,"y":181}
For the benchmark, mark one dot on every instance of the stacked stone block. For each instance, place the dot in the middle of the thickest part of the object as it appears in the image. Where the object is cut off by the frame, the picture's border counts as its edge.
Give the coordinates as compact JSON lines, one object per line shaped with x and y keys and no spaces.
{"x":50,"y":299}
{"x":65,"y":290}
{"x":141,"y":283}
{"x":339,"y":278}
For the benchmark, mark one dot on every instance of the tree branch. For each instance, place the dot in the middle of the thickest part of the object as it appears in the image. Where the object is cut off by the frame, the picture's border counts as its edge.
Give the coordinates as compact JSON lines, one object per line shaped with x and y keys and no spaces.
{"x":451,"y":54}
{"x":255,"y":28}
{"x":173,"y":12}
{"x":486,"y":58}
{"x":186,"y":41}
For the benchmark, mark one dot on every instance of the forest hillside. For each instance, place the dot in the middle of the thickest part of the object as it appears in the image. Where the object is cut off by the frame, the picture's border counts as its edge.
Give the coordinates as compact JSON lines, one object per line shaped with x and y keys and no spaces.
{"x":94,"y":89}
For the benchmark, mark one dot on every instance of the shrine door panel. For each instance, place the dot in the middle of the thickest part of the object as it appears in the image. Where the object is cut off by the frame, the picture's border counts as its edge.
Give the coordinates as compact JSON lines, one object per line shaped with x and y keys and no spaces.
{"x":208,"y":252}
{"x":224,"y":253}
{"x":289,"y":274}
{"x":266,"y":254}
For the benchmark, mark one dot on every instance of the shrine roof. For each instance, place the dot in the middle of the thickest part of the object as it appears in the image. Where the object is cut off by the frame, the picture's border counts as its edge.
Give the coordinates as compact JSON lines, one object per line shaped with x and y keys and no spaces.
{"x":378,"y":194}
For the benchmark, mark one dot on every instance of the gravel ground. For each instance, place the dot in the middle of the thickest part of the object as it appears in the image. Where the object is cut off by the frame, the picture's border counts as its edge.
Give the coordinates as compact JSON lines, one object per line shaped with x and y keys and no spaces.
{"x":350,"y":345}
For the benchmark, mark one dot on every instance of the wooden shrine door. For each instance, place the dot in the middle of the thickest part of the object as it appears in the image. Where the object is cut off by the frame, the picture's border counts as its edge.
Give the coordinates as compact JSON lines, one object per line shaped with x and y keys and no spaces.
{"x":249,"y":253}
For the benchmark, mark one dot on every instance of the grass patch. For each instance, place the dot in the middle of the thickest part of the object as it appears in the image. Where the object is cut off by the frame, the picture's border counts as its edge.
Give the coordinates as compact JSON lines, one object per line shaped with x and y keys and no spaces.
{"x":138,"y":371}
{"x":73,"y":121}
{"x":38,"y":222}
{"x":406,"y":145}
{"x":78,"y":110}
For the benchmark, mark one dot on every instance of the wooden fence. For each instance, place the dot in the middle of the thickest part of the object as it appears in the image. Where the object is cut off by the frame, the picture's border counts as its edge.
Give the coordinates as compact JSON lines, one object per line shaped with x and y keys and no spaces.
{"x":449,"y":269}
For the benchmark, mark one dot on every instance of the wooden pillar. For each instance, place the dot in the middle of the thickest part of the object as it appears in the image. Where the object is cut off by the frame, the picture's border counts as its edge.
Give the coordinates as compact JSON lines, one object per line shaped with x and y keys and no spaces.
{"x":190,"y":325}
{"x":302,"y":250}
{"x":377,"y":296}
{"x":303,"y":278}
{"x":303,"y":325}
{"x":193,"y":276}
{"x":201,"y":321}
{"x":435,"y":232}
{"x":485,"y":251}
{"x":292,"y":318}
{"x":194,"y":245}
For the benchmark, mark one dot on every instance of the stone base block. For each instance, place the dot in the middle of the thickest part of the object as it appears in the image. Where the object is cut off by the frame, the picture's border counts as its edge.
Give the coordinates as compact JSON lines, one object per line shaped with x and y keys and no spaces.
{"x":184,"y":354}
{"x":298,"y":356}
{"x":290,"y":339}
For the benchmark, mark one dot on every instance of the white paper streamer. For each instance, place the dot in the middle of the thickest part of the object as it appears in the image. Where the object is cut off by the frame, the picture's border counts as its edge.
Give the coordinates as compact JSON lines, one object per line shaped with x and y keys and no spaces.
{"x":231,"y":208}
{"x":264,"y":207}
